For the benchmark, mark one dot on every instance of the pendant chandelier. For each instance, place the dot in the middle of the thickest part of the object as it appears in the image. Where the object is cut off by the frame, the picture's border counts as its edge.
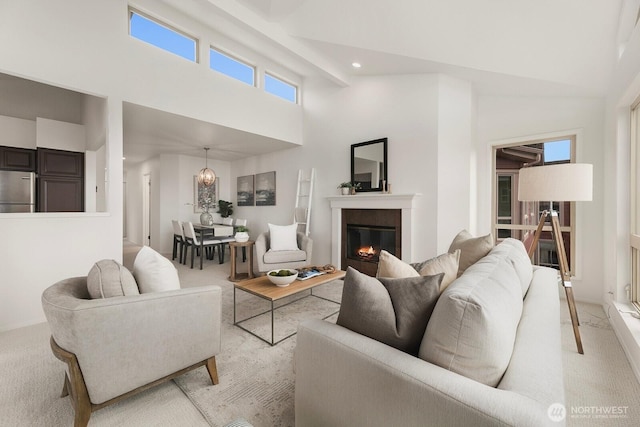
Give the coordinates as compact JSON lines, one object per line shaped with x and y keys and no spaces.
{"x":206,"y":176}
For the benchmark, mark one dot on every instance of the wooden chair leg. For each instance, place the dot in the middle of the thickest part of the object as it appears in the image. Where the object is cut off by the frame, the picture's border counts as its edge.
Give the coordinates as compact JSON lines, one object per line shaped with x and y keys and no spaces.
{"x":74,"y":386}
{"x":213,"y":370}
{"x":220,"y":253}
{"x":175,"y":248}
{"x":65,"y":387}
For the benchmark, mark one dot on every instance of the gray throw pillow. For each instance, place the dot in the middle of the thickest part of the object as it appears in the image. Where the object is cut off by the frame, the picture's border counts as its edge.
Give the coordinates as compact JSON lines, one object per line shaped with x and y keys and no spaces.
{"x":107,"y":278}
{"x":471,"y":249}
{"x":392,"y":311}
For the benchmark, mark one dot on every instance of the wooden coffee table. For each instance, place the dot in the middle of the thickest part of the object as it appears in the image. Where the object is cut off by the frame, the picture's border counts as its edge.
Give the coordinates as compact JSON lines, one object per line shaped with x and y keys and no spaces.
{"x":263,"y":288}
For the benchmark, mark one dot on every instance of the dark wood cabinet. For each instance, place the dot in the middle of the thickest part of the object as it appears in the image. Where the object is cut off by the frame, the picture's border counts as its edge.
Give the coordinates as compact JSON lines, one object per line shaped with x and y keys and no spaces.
{"x":17,"y":159}
{"x":60,"y":194}
{"x":60,"y":182}
{"x":60,"y":163}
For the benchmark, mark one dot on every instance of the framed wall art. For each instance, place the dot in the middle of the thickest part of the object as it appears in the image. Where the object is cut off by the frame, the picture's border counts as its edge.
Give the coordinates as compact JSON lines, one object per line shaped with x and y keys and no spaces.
{"x":205,"y":197}
{"x":246,"y":195}
{"x":266,"y":189}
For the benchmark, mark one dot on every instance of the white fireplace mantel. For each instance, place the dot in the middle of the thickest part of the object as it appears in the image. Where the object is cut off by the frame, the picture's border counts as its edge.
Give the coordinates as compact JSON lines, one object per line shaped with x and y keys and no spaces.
{"x":405,"y":202}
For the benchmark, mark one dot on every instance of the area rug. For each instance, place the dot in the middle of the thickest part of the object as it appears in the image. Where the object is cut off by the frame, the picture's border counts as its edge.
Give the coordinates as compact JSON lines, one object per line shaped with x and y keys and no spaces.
{"x":256,"y":379}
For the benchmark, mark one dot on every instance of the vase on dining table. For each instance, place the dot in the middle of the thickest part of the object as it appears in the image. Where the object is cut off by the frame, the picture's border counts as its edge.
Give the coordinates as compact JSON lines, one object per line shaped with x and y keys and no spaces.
{"x":206,"y":218}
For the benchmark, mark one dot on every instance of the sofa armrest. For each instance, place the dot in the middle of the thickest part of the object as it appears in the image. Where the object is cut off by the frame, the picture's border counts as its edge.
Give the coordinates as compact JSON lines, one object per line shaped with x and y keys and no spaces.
{"x":305,"y":243}
{"x":261,"y":248}
{"x":346,"y":379}
{"x":142,"y":337}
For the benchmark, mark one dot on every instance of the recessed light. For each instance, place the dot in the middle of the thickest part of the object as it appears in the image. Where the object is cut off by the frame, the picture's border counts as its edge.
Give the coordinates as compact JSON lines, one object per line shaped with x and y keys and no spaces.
{"x":356,"y":65}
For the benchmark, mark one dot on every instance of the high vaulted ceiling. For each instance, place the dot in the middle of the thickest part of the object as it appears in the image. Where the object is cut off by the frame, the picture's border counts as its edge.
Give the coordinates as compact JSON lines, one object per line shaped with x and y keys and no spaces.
{"x":567,"y":45}
{"x":504,"y":47}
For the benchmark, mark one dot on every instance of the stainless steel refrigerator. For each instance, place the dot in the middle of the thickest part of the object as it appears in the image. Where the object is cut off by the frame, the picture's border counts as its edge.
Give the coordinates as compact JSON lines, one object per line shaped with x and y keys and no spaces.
{"x":17,"y":191}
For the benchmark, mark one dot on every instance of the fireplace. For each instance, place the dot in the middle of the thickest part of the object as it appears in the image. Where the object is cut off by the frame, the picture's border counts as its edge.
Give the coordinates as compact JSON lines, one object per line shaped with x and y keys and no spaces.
{"x":366,"y":232}
{"x":364,"y":243}
{"x":358,"y":209}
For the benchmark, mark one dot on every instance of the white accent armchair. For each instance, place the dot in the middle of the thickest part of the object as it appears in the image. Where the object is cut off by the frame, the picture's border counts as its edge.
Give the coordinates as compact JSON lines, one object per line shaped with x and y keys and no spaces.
{"x":271,"y":260}
{"x":116,"y":347}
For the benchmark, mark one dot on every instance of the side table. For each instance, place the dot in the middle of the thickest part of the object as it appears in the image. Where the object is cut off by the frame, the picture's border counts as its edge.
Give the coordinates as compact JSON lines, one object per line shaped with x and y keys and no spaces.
{"x":235,"y":276}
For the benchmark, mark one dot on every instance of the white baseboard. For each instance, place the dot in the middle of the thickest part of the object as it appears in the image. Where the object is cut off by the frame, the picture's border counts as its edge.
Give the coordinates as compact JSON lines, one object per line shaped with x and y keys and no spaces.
{"x":627,"y":329}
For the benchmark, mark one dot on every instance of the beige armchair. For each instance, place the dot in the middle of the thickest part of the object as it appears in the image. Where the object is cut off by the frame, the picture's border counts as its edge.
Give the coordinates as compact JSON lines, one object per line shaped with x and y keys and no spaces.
{"x":116,"y":347}
{"x":271,"y":260}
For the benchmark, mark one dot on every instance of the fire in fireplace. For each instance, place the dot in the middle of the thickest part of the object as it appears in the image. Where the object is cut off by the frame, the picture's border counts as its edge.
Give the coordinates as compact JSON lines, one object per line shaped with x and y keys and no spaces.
{"x":364,"y":242}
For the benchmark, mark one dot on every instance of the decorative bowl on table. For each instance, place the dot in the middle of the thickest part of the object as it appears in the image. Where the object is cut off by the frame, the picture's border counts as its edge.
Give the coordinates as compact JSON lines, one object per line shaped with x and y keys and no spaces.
{"x":282,"y":277}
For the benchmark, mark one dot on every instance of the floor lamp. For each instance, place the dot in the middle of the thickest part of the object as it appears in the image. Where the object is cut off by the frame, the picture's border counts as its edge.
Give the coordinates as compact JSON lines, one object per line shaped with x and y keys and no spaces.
{"x":566,"y":182}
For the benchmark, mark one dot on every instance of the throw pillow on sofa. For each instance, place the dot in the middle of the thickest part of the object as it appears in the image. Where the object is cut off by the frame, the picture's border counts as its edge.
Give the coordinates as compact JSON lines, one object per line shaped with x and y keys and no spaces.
{"x":445,"y":263}
{"x":391,"y":266}
{"x":283,"y":237}
{"x":471,"y":249}
{"x":154,"y":273}
{"x":108,"y":278}
{"x":392,"y":311}
{"x":473,"y":327}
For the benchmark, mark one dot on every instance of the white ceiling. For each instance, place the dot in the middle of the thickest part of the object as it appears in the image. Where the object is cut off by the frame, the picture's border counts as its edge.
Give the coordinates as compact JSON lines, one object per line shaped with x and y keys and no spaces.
{"x":494,"y":43}
{"x":504,"y":47}
{"x":149,"y":133}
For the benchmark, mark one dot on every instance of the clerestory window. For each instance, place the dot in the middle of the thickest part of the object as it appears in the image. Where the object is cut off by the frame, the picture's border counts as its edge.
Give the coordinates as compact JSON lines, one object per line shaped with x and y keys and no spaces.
{"x":161,"y":35}
{"x":232,"y":67}
{"x":280,"y":88}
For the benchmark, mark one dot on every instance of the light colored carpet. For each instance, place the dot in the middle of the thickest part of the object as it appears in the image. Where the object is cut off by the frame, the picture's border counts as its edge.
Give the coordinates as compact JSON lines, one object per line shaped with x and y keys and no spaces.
{"x":600,"y":380}
{"x":257,"y":380}
{"x":32,"y":381}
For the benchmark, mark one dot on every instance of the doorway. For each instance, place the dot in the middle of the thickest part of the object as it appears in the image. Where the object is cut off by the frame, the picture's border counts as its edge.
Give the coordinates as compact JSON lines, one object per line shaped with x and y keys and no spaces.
{"x":146,"y":211}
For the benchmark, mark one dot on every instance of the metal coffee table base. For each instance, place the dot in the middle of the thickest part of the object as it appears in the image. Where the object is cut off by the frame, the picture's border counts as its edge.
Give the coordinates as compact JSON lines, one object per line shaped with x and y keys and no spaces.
{"x":273,"y":308}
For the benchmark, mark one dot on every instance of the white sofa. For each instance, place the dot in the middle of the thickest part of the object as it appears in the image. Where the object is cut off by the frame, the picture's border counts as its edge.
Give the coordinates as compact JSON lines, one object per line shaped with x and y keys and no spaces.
{"x":347,"y":379}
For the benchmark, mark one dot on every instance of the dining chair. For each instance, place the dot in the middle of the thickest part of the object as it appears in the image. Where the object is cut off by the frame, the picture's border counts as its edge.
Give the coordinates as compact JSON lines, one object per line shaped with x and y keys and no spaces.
{"x":178,"y":239}
{"x":203,"y":244}
{"x":225,"y":240}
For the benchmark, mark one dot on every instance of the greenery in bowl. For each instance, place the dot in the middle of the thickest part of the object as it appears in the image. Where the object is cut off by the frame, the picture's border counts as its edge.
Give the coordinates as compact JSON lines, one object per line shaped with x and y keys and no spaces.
{"x":282,"y":277}
{"x":242,"y":229}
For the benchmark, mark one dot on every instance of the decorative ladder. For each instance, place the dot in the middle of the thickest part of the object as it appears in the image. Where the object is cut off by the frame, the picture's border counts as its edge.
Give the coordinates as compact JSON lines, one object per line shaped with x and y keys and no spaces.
{"x":304,"y":193}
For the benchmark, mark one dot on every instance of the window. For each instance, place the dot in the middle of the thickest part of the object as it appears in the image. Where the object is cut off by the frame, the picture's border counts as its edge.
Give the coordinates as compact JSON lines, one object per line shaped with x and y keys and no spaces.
{"x":231,"y":67}
{"x":635,"y":205}
{"x":161,"y":35}
{"x":519,"y":220}
{"x":280,"y":88}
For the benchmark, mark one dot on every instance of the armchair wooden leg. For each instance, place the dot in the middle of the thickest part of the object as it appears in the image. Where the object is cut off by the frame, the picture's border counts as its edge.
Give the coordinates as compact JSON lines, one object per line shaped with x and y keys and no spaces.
{"x":65,"y":387}
{"x":213,"y":370}
{"x":74,"y":386}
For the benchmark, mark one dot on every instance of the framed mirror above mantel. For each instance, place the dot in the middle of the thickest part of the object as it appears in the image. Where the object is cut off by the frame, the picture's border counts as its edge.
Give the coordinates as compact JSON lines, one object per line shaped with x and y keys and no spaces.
{"x":369,"y":164}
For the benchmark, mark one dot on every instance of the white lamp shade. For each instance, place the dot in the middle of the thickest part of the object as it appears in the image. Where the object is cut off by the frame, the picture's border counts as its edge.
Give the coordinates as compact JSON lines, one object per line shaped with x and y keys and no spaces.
{"x":566,"y":182}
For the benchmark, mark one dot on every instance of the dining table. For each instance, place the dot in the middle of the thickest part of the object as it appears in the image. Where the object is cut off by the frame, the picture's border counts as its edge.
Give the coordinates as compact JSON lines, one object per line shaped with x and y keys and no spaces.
{"x":215,"y":231}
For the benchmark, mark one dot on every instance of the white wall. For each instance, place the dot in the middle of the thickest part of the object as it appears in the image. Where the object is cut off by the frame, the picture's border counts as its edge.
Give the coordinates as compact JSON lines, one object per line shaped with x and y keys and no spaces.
{"x":624,"y":91}
{"x":60,"y":135}
{"x":406,"y":110}
{"x":88,"y":50}
{"x":17,"y":132}
{"x":455,"y":147}
{"x":502,"y":119}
